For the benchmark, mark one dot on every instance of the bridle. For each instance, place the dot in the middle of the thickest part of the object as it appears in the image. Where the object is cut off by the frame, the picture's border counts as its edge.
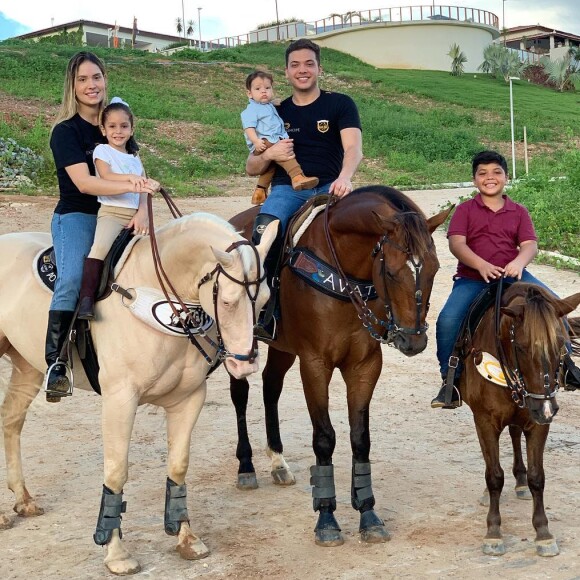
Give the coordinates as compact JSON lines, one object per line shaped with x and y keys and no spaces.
{"x":513,"y":376}
{"x":183,"y":315}
{"x":367,"y":316}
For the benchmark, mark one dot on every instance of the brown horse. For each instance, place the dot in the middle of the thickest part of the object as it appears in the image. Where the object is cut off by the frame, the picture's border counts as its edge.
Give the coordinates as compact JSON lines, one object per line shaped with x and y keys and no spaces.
{"x":525,"y":334}
{"x":374,"y":236}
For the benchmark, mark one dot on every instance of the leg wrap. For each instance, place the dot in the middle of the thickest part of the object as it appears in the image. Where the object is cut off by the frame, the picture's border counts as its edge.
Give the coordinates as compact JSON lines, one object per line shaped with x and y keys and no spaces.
{"x":112,"y":506}
{"x":322,"y":481}
{"x":175,"y":507}
{"x":361,"y":490}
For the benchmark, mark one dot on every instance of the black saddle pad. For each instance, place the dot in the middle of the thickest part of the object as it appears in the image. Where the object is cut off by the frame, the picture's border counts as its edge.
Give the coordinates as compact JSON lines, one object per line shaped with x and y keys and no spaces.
{"x":47,"y":271}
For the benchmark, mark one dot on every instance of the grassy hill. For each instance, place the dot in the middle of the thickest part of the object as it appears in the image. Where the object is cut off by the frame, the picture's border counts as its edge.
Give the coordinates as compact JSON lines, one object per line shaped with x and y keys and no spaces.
{"x":419,"y":127}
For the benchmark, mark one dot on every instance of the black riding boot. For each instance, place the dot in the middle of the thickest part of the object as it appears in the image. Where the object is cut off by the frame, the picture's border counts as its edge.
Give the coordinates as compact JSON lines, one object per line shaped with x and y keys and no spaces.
{"x":266,"y":326}
{"x":57,"y":382}
{"x":571,"y":374}
{"x":439,"y":401}
{"x":91,"y":277}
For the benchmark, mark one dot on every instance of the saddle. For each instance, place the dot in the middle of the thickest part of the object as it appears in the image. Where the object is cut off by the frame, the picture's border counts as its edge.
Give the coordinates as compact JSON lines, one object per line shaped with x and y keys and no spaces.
{"x":463,"y":344}
{"x":79,"y":333}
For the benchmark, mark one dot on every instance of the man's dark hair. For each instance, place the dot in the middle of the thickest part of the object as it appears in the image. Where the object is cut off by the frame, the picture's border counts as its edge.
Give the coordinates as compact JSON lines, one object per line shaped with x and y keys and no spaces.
{"x":258,"y":74}
{"x":486,"y":157}
{"x":301,"y":44}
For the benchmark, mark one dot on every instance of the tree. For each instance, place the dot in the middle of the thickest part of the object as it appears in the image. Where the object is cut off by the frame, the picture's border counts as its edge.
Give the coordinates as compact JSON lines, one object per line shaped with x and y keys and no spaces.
{"x":574,"y":54}
{"x":346,"y":17}
{"x":500,"y":61}
{"x":190,"y":29}
{"x":458,"y":59}
{"x":178,"y":26}
{"x":561,"y":72}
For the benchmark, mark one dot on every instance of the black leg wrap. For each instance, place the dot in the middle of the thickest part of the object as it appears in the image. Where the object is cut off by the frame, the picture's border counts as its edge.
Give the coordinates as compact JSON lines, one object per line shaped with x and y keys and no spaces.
{"x":361,"y":492}
{"x":322,"y":482}
{"x":112,"y":506}
{"x":175,"y":507}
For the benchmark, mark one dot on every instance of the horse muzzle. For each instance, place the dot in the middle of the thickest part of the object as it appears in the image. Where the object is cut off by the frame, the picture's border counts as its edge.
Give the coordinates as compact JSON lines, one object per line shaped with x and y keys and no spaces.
{"x":542,"y":411}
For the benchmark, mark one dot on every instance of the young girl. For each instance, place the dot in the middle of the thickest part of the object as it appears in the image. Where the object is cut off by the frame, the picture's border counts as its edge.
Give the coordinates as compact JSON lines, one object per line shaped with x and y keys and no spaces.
{"x":72,"y":140}
{"x":115,"y":161}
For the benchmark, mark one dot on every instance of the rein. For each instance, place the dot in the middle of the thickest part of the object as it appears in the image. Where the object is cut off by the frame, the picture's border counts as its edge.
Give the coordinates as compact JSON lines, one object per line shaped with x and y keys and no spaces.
{"x":367,"y":316}
{"x":513,"y":376}
{"x":182,"y":313}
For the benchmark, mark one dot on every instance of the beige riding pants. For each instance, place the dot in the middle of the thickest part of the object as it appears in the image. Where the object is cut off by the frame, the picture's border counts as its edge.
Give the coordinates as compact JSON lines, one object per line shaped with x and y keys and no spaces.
{"x":110,"y":221}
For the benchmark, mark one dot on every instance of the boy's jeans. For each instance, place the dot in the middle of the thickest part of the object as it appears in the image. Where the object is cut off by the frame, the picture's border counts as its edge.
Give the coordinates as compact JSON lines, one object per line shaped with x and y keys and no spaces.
{"x":451,"y":316}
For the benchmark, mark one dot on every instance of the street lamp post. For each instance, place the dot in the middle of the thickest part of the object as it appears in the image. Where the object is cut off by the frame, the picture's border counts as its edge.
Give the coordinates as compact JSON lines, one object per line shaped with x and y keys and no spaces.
{"x":183,"y":19}
{"x":512,"y":126}
{"x":199,"y":25}
{"x":503,"y":22}
{"x":277,"y":21}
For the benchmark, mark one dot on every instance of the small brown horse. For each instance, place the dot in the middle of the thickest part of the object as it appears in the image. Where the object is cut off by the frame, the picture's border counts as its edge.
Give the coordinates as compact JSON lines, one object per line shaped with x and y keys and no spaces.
{"x":527,"y":336}
{"x":376,"y":236}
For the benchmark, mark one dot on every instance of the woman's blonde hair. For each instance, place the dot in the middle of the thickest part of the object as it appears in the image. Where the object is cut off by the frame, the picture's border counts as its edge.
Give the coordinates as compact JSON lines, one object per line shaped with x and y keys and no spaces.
{"x":69,"y":107}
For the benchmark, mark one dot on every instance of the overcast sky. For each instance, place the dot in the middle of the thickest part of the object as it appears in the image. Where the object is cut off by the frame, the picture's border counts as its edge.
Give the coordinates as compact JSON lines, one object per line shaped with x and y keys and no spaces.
{"x":220,"y":18}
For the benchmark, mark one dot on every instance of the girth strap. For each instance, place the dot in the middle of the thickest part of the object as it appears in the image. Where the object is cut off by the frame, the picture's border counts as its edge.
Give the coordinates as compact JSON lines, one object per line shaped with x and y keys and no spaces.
{"x":175,"y":507}
{"x":112,"y":506}
{"x":361,"y":485}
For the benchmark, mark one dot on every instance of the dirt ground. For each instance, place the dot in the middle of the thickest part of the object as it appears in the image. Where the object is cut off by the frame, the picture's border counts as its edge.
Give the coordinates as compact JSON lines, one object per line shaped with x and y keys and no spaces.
{"x":427,"y":470}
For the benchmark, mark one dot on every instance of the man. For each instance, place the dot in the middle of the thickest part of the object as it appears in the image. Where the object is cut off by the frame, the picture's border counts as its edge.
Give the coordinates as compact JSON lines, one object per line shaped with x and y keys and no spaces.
{"x":324,"y":136}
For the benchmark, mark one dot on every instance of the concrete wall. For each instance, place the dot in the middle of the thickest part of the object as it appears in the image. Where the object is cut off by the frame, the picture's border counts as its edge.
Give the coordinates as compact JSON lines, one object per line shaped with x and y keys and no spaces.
{"x":413,"y":45}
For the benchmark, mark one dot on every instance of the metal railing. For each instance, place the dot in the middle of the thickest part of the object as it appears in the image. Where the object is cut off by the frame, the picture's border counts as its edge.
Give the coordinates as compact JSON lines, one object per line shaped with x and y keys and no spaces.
{"x":379,"y":16}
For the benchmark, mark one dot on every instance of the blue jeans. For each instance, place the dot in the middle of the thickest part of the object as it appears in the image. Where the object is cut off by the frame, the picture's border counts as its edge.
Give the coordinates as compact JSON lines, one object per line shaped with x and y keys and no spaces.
{"x":449,"y":321}
{"x":72,"y":237}
{"x":283,"y":202}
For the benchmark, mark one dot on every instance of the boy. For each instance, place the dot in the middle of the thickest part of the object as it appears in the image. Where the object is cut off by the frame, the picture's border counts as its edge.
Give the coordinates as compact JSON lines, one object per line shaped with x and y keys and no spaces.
{"x":491,"y":236}
{"x":264,"y":127}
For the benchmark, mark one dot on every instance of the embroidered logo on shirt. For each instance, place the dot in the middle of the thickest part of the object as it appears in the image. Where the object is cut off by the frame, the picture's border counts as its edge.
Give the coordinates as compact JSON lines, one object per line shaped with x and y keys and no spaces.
{"x":323,"y":125}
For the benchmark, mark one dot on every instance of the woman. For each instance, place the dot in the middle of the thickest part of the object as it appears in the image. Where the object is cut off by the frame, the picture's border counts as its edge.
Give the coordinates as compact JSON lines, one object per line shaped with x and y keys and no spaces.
{"x":74,"y":135}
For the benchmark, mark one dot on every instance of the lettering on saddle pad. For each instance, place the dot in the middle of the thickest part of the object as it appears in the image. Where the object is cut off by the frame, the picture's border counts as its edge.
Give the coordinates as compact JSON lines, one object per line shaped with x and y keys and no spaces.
{"x":325,"y":278}
{"x":46,"y":268}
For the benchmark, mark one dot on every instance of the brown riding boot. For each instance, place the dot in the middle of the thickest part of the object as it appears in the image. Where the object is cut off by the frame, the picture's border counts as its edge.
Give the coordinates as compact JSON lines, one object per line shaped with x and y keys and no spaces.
{"x":299,"y":180}
{"x":261,"y":192}
{"x":91,"y":278}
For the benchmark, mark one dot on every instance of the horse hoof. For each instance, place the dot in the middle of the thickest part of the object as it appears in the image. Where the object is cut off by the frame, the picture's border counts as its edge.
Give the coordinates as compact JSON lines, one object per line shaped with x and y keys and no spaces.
{"x":328,"y":538}
{"x":283,"y":476}
{"x":5,"y":522}
{"x":547,"y":548}
{"x":372,"y":528}
{"x":523,"y":492}
{"x":123,"y":567}
{"x":192,"y":550}
{"x":493,"y":547}
{"x":28,"y":509}
{"x":247,"y":481}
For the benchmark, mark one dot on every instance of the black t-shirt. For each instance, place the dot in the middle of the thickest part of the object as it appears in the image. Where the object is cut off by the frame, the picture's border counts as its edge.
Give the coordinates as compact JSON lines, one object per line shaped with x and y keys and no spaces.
{"x":73,"y":141}
{"x":316,"y":129}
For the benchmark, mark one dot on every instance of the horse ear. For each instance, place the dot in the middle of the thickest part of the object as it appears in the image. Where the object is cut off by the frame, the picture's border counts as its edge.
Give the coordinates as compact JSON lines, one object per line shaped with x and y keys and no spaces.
{"x":435,"y":221}
{"x":566,"y":305}
{"x":225,"y":259}
{"x":512,"y":311}
{"x":267,"y":239}
{"x":386,"y":225}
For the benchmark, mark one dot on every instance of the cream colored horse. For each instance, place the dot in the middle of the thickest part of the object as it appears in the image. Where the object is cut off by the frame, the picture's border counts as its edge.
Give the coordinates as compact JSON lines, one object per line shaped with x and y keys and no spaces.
{"x":138,"y":364}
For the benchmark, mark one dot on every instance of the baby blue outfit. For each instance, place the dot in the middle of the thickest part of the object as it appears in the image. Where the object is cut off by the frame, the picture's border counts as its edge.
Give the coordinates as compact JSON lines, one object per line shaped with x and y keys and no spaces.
{"x":264,"y":118}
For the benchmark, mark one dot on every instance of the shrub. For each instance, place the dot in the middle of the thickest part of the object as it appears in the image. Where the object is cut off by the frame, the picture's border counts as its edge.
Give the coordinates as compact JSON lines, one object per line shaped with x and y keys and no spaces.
{"x":17,"y":161}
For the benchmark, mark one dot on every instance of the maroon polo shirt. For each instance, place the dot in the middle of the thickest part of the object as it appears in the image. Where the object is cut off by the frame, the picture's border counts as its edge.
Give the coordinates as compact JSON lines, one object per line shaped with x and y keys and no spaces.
{"x":493,"y":236}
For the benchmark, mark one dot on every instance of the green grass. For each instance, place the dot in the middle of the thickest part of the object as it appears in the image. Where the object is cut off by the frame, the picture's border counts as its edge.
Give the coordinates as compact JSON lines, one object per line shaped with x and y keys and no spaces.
{"x":420,"y":128}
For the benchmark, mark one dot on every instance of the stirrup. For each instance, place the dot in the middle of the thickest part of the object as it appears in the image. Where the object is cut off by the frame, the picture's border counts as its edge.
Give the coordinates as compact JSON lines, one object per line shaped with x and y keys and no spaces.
{"x":267,"y":332}
{"x":68,"y":374}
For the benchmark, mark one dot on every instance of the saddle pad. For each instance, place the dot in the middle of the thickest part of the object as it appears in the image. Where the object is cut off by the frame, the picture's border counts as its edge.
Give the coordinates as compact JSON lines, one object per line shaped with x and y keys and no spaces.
{"x":44,"y":268}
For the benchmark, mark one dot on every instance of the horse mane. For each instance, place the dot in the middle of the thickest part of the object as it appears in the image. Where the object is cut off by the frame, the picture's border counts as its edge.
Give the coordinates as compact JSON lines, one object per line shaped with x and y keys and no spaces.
{"x":540,"y":323}
{"x":408,"y":215}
